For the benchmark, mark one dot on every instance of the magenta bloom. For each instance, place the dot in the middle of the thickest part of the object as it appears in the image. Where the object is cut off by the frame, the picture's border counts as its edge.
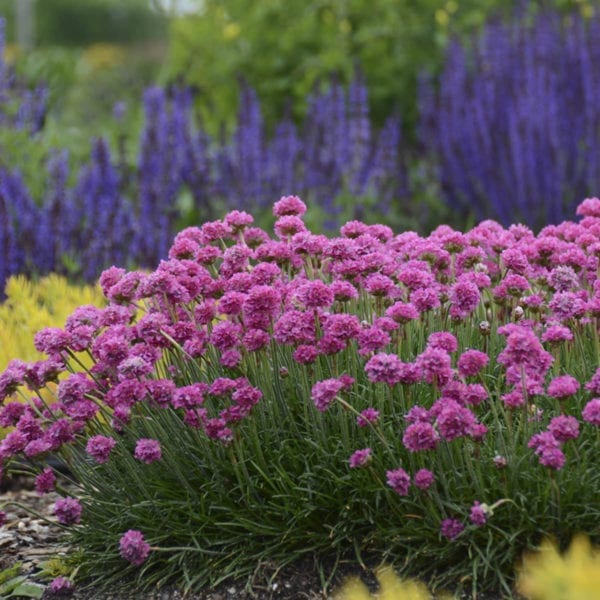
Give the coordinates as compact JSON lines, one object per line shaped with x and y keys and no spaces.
{"x":3,"y":518}
{"x":147,"y":450}
{"x":99,"y":447}
{"x":133,"y":547}
{"x":420,"y":436}
{"x":45,"y":481}
{"x":451,"y":528}
{"x":424,"y":479}
{"x":471,"y":362}
{"x":60,"y":587}
{"x":547,"y":448}
{"x":402,"y":313}
{"x":443,"y":340}
{"x":360,"y":458}
{"x":478,"y":514}
{"x":384,"y":368}
{"x":434,"y":366}
{"x":369,"y":415}
{"x":314,"y":294}
{"x":68,"y":511}
{"x":289,"y":205}
{"x":564,"y":428}
{"x":323,"y":393}
{"x":464,"y":297}
{"x":454,"y":420}
{"x":563,"y":387}
{"x":593,"y":385}
{"x":591,"y":412}
{"x":399,"y":481}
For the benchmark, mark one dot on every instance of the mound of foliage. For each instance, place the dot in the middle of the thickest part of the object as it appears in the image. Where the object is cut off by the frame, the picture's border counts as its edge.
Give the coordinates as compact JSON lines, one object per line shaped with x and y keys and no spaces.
{"x":433,"y":402}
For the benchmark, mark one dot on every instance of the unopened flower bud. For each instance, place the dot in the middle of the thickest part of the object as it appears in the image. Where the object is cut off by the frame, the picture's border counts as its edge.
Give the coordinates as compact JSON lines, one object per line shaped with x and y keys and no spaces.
{"x":485,"y":328}
{"x":518,"y":313}
{"x":283,"y":372}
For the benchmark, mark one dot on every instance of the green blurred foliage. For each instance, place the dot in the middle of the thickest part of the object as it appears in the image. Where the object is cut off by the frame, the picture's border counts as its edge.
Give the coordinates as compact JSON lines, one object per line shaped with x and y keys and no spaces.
{"x":91,"y":55}
{"x":79,"y":23}
{"x":283,"y":48}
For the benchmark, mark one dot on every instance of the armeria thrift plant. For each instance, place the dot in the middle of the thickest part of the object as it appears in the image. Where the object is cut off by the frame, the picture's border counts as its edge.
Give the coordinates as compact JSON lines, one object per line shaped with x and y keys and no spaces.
{"x":432,"y":402}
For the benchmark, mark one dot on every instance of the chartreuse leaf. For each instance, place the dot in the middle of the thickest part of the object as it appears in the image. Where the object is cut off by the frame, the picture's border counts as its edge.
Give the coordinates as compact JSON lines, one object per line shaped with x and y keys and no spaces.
{"x":9,"y":573}
{"x":28,"y":589}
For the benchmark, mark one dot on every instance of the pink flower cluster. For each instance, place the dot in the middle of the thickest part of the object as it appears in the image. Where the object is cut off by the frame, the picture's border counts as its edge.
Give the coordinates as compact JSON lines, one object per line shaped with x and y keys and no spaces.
{"x":133,"y":547}
{"x":343,"y":311}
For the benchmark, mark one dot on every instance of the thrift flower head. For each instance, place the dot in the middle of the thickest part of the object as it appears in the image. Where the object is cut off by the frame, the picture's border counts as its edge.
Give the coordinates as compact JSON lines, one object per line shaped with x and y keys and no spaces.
{"x":147,"y":450}
{"x":324,"y":392}
{"x":563,"y":387}
{"x":133,"y":547}
{"x":360,"y":458}
{"x":479,"y":514}
{"x":564,"y":428}
{"x":45,"y":481}
{"x":420,"y":436}
{"x":289,"y":205}
{"x":68,"y":511}
{"x":367,"y":416}
{"x":591,"y":412}
{"x":399,"y":481}
{"x":471,"y":362}
{"x":555,"y":334}
{"x":423,"y":479}
{"x":384,"y":368}
{"x":3,"y":518}
{"x":60,"y":587}
{"x":451,"y":528}
{"x":548,"y":450}
{"x":99,"y":447}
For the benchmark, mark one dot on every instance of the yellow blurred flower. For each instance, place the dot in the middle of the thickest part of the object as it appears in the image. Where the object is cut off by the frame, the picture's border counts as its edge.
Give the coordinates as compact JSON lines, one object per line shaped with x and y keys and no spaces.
{"x":231,"y":31}
{"x":546,"y":575}
{"x":103,"y":56}
{"x":391,"y":587}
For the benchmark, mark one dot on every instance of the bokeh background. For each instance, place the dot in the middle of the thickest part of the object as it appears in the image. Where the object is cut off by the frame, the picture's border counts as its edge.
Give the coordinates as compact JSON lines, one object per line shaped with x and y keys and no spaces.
{"x":122,"y":122}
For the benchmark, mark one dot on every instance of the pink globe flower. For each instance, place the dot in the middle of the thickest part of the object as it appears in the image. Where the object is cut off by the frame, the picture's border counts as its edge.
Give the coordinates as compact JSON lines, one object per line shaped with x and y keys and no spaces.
{"x":68,"y":511}
{"x":451,"y":528}
{"x":591,"y":412}
{"x":133,"y":547}
{"x":424,"y":479}
{"x":399,"y":481}
{"x":360,"y":458}
{"x":147,"y":451}
{"x":563,"y":387}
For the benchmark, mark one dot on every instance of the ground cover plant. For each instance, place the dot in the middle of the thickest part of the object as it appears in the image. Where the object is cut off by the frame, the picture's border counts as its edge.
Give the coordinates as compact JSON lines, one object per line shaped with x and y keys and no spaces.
{"x":433,"y":402}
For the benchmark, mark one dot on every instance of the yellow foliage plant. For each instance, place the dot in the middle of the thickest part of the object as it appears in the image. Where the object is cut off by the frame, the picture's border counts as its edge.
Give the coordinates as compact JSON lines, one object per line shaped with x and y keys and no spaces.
{"x":31,"y":306}
{"x":546,"y":575}
{"x":391,"y":587}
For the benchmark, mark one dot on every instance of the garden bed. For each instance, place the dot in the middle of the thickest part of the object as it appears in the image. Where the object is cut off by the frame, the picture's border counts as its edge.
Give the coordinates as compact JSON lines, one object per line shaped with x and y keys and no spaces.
{"x":31,"y":541}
